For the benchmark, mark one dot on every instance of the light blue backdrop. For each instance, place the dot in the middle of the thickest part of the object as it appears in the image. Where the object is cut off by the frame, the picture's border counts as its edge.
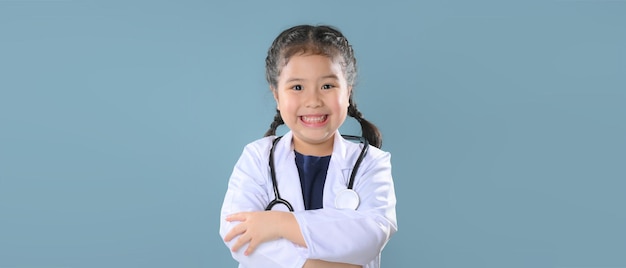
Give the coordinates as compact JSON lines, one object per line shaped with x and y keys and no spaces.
{"x":120,"y":122}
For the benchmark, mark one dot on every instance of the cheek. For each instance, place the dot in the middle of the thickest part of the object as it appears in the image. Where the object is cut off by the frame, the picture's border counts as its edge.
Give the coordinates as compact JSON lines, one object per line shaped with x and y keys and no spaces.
{"x":340,"y":104}
{"x":345,"y":100}
{"x":285,"y":104}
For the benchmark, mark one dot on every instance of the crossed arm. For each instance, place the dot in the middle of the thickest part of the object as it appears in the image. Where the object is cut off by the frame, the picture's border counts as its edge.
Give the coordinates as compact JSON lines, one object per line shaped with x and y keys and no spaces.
{"x":258,"y":227}
{"x":300,"y":239}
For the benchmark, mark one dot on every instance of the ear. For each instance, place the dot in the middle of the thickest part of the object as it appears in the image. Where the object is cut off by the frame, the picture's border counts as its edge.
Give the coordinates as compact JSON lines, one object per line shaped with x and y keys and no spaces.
{"x":275,"y":94}
{"x":349,"y":91}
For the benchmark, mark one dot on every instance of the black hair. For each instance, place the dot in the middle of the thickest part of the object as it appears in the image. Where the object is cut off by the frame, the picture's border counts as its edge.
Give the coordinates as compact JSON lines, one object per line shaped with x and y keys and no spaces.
{"x":321,"y":40}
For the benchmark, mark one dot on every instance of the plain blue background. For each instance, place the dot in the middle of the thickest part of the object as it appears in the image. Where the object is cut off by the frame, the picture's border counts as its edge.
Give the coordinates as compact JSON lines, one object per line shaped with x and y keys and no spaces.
{"x":120,"y":122}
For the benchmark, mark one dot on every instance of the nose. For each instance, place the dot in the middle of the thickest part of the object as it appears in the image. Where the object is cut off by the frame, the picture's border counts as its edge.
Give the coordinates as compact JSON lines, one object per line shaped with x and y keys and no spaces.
{"x":313,"y":99}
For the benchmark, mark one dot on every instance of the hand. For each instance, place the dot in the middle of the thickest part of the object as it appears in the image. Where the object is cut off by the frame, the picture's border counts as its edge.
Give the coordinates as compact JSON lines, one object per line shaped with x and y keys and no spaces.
{"x":255,"y":228}
{"x":326,"y":264}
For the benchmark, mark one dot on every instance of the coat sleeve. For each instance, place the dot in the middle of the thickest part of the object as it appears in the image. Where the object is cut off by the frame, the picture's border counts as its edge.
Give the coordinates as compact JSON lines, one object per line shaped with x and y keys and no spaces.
{"x":358,"y":236}
{"x":246,"y":193}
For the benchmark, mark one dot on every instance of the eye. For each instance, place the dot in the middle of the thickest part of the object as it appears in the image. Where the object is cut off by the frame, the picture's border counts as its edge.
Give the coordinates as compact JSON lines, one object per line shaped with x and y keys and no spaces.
{"x":327,"y":86}
{"x":297,"y":87}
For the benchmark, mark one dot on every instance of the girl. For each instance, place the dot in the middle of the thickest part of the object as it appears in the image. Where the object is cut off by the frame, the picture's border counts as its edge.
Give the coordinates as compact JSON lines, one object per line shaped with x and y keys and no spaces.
{"x":341,"y":210}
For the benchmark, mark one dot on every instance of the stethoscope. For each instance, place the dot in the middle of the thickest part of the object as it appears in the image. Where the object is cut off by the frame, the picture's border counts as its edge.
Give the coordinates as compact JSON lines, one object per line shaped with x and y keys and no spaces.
{"x":345,"y":199}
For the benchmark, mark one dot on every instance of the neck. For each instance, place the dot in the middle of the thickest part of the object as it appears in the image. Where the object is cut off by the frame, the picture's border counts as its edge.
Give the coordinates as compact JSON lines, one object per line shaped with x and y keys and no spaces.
{"x":314,"y":149}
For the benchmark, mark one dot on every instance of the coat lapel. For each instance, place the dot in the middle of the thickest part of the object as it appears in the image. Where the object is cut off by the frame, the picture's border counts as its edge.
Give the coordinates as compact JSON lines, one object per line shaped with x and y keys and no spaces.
{"x":338,"y":170}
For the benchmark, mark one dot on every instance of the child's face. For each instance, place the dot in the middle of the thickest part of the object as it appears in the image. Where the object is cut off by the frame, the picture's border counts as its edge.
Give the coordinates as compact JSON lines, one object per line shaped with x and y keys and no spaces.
{"x":313,"y":97}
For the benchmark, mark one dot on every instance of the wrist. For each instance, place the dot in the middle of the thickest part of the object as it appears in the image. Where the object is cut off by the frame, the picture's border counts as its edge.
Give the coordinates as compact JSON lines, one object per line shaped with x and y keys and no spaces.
{"x":290,"y":229}
{"x":286,"y":223}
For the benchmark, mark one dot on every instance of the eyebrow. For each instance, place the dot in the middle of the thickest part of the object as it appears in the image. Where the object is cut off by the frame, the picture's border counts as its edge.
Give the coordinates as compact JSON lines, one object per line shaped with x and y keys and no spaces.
{"x":331,"y":76}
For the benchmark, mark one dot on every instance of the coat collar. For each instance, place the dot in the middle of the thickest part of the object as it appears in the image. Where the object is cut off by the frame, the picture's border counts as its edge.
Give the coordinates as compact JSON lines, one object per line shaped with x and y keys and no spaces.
{"x":340,"y":154}
{"x":339,"y":169}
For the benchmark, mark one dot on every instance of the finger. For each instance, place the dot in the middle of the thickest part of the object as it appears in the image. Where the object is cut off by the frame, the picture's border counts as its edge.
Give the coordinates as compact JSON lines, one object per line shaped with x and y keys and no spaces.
{"x":236,"y":217}
{"x":243,"y":239}
{"x":237,"y":230}
{"x":251,"y":247}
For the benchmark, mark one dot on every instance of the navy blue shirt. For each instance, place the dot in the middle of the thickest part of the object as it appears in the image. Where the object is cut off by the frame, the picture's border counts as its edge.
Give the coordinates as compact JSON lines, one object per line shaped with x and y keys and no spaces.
{"x":312,"y":171}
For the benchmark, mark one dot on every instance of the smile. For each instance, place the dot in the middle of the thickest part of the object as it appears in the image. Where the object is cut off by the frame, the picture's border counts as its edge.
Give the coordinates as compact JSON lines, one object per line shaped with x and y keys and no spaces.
{"x":313,"y":119}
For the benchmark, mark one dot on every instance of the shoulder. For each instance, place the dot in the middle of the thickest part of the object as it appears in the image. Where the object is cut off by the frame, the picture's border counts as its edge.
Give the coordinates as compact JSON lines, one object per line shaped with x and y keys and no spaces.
{"x":373,"y":156}
{"x":378,"y":156}
{"x":377,"y":153}
{"x":253,"y":161}
{"x":261,"y":145}
{"x":372,"y":151}
{"x":257,"y":151}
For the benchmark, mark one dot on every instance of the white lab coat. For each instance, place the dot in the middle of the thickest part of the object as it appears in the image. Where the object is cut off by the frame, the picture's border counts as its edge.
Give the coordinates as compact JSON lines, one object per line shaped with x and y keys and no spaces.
{"x":338,"y":235}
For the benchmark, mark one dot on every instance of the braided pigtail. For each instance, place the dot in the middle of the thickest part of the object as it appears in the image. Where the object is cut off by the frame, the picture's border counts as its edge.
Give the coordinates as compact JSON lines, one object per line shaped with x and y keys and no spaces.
{"x":369,"y":130}
{"x":278,"y":120}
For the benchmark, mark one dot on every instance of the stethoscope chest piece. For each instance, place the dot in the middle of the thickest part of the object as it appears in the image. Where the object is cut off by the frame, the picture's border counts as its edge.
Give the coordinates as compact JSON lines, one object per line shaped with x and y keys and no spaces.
{"x":347,"y":199}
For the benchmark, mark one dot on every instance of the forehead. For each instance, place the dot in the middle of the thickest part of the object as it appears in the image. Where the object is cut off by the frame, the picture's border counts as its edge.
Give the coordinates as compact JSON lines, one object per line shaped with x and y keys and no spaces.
{"x":309,"y":66}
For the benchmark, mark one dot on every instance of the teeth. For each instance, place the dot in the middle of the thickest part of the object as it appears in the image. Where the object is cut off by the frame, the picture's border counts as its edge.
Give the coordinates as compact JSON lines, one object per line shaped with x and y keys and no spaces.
{"x":313,"y":119}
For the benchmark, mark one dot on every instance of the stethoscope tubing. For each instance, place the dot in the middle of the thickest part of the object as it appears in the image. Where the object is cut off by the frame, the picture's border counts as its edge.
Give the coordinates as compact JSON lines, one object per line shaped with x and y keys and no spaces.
{"x":278,"y":200}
